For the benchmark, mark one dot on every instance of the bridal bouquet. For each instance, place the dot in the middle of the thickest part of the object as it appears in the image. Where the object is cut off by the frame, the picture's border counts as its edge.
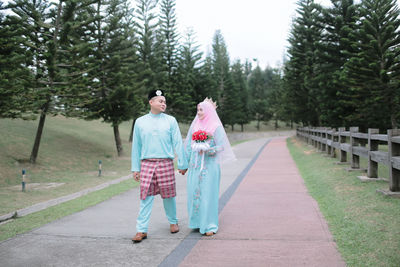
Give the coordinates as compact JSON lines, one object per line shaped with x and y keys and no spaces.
{"x":200,"y":137}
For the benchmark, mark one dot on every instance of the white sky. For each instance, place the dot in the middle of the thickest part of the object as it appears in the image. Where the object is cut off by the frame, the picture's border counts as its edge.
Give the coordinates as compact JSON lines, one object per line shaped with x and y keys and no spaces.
{"x":251,"y":29}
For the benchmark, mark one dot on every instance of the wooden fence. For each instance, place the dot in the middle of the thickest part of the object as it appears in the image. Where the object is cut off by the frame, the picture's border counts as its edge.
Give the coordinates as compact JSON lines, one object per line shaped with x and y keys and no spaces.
{"x":340,"y":143}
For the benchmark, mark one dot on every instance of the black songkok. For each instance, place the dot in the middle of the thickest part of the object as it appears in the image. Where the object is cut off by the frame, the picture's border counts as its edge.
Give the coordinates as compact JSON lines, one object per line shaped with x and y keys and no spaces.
{"x":154,"y":93}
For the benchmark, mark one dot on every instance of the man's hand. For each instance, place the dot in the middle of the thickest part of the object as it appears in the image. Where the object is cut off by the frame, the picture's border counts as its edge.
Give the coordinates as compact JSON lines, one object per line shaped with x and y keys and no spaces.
{"x":136,"y":176}
{"x":182,"y":171}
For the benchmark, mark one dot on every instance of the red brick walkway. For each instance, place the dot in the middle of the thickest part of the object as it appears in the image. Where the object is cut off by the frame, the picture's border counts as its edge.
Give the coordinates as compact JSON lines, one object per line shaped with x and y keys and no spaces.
{"x":270,"y":220}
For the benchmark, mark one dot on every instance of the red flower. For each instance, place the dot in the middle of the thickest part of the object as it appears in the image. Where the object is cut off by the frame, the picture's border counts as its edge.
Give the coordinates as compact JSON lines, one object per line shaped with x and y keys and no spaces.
{"x":200,"y":136}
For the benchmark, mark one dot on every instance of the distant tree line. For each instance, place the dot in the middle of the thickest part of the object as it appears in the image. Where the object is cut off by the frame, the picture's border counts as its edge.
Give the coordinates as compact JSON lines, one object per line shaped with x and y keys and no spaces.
{"x":97,"y":59}
{"x":343,"y":66}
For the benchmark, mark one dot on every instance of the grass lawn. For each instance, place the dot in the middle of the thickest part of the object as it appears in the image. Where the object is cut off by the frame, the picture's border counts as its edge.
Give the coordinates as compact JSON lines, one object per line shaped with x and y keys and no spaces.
{"x":364,"y":224}
{"x":67,"y":162}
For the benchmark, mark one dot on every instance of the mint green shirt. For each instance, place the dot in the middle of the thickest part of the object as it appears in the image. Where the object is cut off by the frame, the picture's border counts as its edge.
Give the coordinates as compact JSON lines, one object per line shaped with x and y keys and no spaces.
{"x":157,"y":136}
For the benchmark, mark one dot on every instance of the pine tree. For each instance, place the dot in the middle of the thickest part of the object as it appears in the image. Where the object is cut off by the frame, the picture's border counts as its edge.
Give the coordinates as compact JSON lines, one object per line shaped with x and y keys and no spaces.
{"x":339,"y":21}
{"x":301,"y":69}
{"x":44,"y":28}
{"x":222,"y":76}
{"x":273,"y":85}
{"x":147,"y":27}
{"x":186,"y":80}
{"x":115,"y":94}
{"x":207,"y":82}
{"x":15,"y":76}
{"x":258,"y":100}
{"x":373,"y":71}
{"x":240,"y":103}
{"x":168,"y":27}
{"x":175,"y":82}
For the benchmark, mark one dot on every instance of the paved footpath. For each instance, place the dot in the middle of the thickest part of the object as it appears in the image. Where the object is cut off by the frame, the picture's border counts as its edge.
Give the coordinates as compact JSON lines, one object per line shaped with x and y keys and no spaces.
{"x":270,"y":220}
{"x":267,"y":218}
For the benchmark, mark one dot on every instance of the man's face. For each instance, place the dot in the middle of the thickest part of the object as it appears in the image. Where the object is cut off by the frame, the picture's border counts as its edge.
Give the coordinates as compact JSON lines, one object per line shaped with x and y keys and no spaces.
{"x":158,"y":104}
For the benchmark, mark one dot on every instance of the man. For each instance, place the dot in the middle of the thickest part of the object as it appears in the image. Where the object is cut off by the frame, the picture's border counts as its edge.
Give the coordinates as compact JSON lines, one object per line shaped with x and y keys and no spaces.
{"x":156,"y":136}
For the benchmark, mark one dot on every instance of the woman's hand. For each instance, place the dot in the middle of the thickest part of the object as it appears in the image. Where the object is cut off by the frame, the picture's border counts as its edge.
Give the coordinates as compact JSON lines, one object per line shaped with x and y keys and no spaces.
{"x":211,"y":152}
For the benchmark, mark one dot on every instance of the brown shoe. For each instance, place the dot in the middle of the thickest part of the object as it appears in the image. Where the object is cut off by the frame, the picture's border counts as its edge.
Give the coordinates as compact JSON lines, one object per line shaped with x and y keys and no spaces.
{"x":139,"y":237}
{"x":210,"y":233}
{"x":174,"y":228}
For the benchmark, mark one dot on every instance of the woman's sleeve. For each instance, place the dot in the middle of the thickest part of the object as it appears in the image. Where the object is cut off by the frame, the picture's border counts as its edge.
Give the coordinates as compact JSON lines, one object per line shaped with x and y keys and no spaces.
{"x":218,"y":140}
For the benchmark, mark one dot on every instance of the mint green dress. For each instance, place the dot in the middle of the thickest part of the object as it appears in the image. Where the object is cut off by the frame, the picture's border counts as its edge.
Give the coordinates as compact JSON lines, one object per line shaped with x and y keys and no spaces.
{"x":203,"y":185}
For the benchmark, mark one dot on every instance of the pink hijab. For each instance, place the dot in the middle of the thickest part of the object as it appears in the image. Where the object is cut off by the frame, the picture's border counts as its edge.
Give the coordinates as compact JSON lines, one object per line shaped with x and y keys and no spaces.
{"x":210,"y":123}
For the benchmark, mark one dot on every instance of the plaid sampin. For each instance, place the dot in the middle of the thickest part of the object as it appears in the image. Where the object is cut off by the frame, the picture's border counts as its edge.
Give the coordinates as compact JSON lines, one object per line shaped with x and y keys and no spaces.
{"x":157,"y":176}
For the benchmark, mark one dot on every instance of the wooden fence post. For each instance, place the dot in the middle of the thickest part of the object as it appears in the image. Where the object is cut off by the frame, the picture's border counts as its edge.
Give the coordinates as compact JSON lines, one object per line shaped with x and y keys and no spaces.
{"x":328,"y":142}
{"x":314,"y":142}
{"x":394,"y":168}
{"x":355,"y":159}
{"x":319,"y":144}
{"x":324,"y":138}
{"x":334,"y":139}
{"x":373,"y":145}
{"x":342,"y":140}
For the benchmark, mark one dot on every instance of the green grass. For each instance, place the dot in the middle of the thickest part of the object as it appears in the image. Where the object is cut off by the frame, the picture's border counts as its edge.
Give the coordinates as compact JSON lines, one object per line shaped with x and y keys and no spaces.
{"x":69,"y":153}
{"x":365,"y":224}
{"x":37,"y":219}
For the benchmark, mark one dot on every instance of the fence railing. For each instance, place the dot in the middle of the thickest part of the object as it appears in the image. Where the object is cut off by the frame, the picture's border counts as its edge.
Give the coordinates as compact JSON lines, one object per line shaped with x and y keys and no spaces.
{"x":353,"y":144}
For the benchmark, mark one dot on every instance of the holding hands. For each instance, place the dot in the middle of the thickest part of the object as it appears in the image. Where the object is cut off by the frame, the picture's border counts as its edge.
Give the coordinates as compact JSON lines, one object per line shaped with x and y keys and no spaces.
{"x":136,"y":176}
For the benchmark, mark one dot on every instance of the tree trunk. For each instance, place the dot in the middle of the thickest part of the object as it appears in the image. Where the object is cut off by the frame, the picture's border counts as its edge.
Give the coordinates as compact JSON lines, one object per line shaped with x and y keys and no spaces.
{"x":393,"y":120}
{"x":36,"y":145}
{"x":117,"y":140}
{"x":131,"y":134}
{"x":241,"y":125}
{"x":276,"y":124}
{"x":232,"y":127}
{"x":258,"y":124}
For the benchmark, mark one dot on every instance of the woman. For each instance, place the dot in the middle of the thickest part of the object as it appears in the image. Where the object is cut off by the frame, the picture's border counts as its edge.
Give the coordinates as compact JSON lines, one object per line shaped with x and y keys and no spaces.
{"x":206,"y":146}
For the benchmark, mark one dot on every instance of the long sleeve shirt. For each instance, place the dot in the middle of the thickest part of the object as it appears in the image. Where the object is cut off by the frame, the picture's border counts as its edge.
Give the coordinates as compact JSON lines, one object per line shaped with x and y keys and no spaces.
{"x":157,"y":136}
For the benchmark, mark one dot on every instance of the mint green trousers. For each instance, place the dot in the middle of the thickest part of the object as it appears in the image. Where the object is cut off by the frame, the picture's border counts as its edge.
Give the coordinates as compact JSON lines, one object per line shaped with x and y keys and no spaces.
{"x":146,"y":205}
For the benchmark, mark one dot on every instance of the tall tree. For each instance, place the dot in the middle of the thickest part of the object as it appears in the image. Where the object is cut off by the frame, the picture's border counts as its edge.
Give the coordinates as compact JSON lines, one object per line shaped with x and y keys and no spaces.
{"x":15,"y":76}
{"x":373,"y":72}
{"x":240,"y":102}
{"x":339,"y":21}
{"x":147,"y":27}
{"x":274,"y":93}
{"x":169,"y":32}
{"x":180,"y":99}
{"x":207,"y":83}
{"x":44,"y":28}
{"x":116,"y":94}
{"x":258,"y":101}
{"x":186,"y":79}
{"x":301,"y":68}
{"x":221,"y":74}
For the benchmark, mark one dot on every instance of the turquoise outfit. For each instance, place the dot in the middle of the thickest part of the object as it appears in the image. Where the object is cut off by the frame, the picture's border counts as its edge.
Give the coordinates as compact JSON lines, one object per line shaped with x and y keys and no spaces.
{"x":156,"y":136}
{"x":203,"y":185}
